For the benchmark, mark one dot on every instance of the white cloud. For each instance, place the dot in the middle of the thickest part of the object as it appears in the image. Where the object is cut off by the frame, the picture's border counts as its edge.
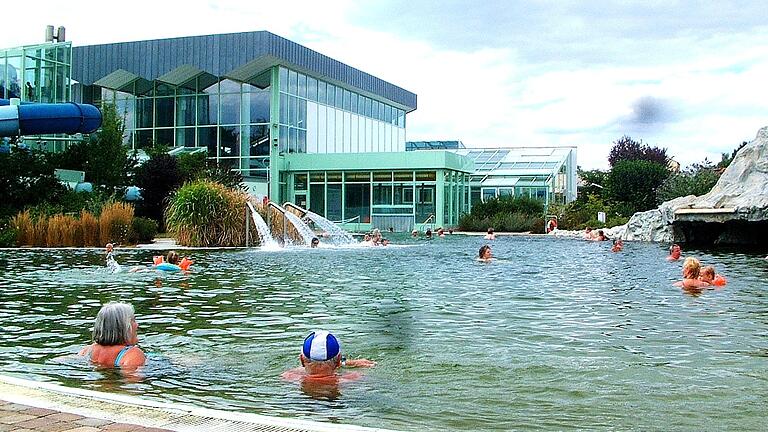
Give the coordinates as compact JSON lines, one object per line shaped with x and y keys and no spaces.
{"x":708,"y":85}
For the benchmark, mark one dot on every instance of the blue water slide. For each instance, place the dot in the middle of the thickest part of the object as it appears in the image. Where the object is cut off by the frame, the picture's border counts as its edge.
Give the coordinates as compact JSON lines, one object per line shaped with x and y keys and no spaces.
{"x":45,"y":118}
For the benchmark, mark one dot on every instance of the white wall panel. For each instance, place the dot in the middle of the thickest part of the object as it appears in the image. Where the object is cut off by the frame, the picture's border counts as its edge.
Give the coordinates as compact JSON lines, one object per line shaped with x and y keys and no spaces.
{"x":347,"y":132}
{"x":312,"y":127}
{"x":355,"y":133}
{"x":322,"y":129}
{"x":338,"y":142}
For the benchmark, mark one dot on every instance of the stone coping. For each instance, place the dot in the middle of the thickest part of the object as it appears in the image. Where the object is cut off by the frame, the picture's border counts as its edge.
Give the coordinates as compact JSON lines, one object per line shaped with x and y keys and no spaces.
{"x":105,"y":409}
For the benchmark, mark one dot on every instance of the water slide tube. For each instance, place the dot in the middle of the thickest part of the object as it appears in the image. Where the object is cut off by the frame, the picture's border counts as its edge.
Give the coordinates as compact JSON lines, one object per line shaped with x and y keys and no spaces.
{"x":45,"y":118}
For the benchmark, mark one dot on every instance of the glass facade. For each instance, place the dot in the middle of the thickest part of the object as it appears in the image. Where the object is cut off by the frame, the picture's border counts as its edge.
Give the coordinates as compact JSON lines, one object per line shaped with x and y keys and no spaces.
{"x":36,"y":73}
{"x":231,"y":119}
{"x":319,"y":117}
{"x":383,"y":199}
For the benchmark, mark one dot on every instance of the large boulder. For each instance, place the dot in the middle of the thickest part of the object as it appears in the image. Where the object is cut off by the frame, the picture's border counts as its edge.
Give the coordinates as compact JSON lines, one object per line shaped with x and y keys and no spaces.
{"x":741,"y":194}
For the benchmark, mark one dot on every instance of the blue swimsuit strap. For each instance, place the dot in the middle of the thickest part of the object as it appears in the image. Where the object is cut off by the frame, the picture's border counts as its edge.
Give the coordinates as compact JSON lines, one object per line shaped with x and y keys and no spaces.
{"x":121,"y":354}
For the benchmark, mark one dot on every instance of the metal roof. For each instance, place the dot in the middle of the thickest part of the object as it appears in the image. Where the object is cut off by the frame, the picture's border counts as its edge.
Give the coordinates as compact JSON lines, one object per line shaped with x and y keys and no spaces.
{"x":433,"y":145}
{"x":238,"y":56}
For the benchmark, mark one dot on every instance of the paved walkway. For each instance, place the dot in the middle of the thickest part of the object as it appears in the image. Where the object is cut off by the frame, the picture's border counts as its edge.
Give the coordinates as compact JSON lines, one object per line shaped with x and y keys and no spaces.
{"x":39,"y":406}
{"x":24,"y":418}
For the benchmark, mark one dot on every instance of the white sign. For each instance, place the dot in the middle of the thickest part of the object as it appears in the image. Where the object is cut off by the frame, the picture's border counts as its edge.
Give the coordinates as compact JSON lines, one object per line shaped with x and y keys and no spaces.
{"x":601,"y":217}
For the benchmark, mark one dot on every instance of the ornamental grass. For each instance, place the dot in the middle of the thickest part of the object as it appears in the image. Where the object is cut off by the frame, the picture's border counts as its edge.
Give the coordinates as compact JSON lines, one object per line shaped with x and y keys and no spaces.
{"x":63,"y":231}
{"x":24,"y":226}
{"x":89,"y":225}
{"x":115,"y":223}
{"x":206,"y":213}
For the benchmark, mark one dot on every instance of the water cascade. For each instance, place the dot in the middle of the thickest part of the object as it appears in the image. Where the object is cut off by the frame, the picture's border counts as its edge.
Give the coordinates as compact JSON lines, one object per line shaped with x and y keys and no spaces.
{"x":265,"y":235}
{"x":336,"y":235}
{"x":304,"y":231}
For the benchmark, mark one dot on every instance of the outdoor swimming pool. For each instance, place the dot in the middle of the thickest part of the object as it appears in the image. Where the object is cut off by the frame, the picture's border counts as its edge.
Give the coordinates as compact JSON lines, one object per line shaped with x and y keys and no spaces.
{"x":557,"y":334}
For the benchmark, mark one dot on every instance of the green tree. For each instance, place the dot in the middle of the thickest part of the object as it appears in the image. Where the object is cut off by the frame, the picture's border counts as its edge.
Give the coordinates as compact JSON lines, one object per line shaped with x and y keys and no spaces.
{"x":26,"y":180}
{"x":627,"y":149}
{"x":594,"y":182}
{"x":157,"y":178}
{"x":726,"y":158}
{"x":698,"y":179}
{"x":632,"y":185}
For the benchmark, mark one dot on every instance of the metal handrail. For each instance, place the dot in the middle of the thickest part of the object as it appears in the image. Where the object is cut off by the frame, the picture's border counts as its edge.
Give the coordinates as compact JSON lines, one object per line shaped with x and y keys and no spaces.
{"x":431,"y":217}
{"x":292,"y":205}
{"x":346,"y":221}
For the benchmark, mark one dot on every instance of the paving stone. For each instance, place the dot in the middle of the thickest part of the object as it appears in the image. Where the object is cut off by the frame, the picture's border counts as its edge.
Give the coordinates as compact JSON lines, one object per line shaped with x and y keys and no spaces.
{"x":36,"y":423}
{"x":93,"y":422}
{"x":57,"y":427}
{"x":15,"y":407}
{"x":15,"y":417}
{"x":83,"y":429}
{"x":67,"y":417}
{"x":39,"y":411}
{"x":121,"y":427}
{"x":151,"y":429}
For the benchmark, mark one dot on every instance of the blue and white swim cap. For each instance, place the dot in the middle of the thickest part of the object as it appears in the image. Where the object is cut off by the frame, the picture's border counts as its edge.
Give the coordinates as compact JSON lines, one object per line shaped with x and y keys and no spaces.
{"x":321,"y":346}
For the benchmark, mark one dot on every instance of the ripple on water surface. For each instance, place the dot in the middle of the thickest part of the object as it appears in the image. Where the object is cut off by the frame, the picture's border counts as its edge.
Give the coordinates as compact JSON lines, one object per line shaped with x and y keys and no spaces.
{"x":554,"y":334}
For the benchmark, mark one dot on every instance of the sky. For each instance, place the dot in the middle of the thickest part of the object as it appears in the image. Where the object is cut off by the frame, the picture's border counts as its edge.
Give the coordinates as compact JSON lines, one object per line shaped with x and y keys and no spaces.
{"x":688,"y":76}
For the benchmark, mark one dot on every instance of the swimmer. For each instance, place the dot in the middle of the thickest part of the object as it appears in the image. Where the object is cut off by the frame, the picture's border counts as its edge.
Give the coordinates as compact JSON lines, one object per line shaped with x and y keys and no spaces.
{"x":172,"y":258}
{"x":450,"y":230}
{"x":600,"y":236}
{"x":415,"y":233}
{"x":691,"y":273}
{"x":112,"y":264}
{"x":709,"y":275}
{"x":115,"y":338}
{"x":490,"y":235}
{"x":618,"y":245}
{"x":428,"y":234}
{"x":588,"y":233}
{"x":440,"y":232}
{"x":485,"y":254}
{"x":385,"y":242}
{"x":674,"y":252}
{"x":315,"y":241}
{"x":321,"y":360}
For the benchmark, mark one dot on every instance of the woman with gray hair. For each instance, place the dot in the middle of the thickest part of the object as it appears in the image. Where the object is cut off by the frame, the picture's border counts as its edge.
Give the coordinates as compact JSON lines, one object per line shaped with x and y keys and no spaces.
{"x":115,"y":338}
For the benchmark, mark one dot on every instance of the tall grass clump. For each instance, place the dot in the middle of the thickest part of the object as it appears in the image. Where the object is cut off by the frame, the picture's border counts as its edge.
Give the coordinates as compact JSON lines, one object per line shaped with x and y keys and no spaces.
{"x":115,"y":223}
{"x":89,"y":225}
{"x":24,"y":226}
{"x":63,"y":230}
{"x":206,"y":213}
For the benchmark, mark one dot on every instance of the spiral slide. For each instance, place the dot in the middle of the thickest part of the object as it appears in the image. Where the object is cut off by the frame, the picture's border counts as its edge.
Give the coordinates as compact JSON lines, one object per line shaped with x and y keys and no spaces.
{"x":47,"y":118}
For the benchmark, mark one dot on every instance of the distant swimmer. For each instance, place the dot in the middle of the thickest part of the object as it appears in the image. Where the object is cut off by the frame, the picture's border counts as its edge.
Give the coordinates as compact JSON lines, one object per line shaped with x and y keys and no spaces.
{"x":618,"y":245}
{"x":315,"y":242}
{"x":415,"y":233}
{"x":709,"y":275}
{"x":674,"y":252}
{"x":112,"y":264}
{"x":691,"y":273}
{"x":485,"y":254}
{"x":490,"y":235}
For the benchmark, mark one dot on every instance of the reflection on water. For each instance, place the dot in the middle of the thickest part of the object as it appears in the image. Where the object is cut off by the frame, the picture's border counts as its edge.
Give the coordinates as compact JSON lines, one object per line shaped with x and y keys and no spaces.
{"x":554,"y":334}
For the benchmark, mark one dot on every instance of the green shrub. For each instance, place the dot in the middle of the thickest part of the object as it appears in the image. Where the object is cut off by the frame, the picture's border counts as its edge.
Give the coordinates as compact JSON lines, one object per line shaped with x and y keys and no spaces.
{"x":157,"y":178}
{"x":206,"y":213}
{"x":8,"y":234}
{"x":632,"y":185}
{"x":143,"y":230}
{"x":696,"y":180}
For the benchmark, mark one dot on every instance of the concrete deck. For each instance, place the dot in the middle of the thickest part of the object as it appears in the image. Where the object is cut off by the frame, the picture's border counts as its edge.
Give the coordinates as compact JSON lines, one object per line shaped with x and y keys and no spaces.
{"x":37,"y":406}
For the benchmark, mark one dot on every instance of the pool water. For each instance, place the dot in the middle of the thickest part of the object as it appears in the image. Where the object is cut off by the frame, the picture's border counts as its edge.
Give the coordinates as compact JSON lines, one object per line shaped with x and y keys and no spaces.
{"x":555,"y":334}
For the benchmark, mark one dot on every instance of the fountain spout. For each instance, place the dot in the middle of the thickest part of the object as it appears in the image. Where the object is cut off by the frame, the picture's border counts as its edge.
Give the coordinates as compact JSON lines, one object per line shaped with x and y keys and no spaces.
{"x":302,"y":229}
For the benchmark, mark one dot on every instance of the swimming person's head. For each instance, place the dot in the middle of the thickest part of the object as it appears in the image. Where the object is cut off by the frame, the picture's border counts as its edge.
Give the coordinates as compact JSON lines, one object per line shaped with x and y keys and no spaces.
{"x":172,"y":258}
{"x":109,"y":247}
{"x":691,"y":268}
{"x":367,"y":237}
{"x":320,"y":353}
{"x":115,"y":325}
{"x":315,"y":241}
{"x":485,"y":252}
{"x":490,"y":230}
{"x":675,"y":250}
{"x":707,"y":274}
{"x":415,"y":233}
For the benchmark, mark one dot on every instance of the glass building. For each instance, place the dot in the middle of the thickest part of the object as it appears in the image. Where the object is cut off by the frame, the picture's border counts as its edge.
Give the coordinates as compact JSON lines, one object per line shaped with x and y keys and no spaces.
{"x":38,"y":73}
{"x":548,"y":174}
{"x":299,"y":126}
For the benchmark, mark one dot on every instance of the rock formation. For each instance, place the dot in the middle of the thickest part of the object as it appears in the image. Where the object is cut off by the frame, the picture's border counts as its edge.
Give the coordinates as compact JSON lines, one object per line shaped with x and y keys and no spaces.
{"x":732,"y":212}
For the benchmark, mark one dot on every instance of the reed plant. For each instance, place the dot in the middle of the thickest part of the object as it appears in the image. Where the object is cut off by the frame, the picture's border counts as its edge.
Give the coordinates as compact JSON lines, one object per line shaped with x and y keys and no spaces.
{"x":206,"y":213}
{"x":115,"y":223}
{"x":40,"y":232}
{"x":24,"y":226}
{"x":63,"y":230}
{"x":89,"y":225}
